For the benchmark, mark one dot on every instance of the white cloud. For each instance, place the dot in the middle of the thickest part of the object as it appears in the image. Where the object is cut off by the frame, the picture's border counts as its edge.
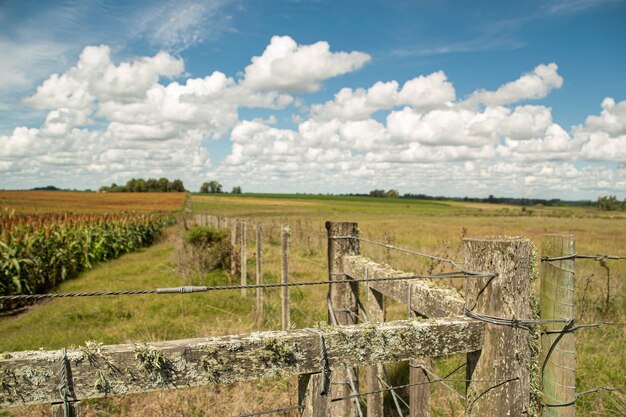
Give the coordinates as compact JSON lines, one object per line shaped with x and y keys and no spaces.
{"x":288,"y":67}
{"x":530,"y":86}
{"x":110,"y":121}
{"x":612,"y":119}
{"x":527,"y":122}
{"x":423,"y":93}
{"x":96,"y":77}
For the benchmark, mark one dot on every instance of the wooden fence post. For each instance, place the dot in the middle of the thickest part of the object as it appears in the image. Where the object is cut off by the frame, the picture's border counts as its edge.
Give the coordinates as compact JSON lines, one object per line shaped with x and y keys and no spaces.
{"x":500,"y":373}
{"x":309,"y":389}
{"x":259,"y":274}
{"x":243,"y":264}
{"x":375,"y":309}
{"x":74,"y":410}
{"x":419,"y":395}
{"x":233,"y":248}
{"x":557,"y":302}
{"x":342,"y":240}
{"x":284,"y":241}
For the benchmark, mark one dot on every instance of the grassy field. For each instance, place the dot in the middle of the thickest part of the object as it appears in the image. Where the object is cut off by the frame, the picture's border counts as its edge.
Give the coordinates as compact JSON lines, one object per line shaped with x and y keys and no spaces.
{"x":428,"y":226}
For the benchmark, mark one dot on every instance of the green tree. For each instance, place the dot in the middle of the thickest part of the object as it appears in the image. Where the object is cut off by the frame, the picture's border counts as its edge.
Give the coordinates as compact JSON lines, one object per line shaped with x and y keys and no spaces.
{"x":610,"y":203}
{"x":211,"y":187}
{"x":377,"y":193}
{"x":392,"y":194}
{"x":236,"y":190}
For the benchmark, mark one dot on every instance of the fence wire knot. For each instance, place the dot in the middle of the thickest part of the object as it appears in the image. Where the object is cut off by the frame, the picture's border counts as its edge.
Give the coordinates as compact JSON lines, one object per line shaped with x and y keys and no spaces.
{"x":326,"y":371}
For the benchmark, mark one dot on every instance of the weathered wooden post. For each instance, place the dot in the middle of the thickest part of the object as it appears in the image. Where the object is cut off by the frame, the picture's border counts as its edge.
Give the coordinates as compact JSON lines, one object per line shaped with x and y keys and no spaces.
{"x":233,"y":248}
{"x":375,"y":309}
{"x":500,"y":373}
{"x":243,"y":264}
{"x":259,"y":274}
{"x":313,"y":403}
{"x":284,"y":241}
{"x":419,"y":392}
{"x":342,"y":240}
{"x":558,"y":350}
{"x":74,"y":410}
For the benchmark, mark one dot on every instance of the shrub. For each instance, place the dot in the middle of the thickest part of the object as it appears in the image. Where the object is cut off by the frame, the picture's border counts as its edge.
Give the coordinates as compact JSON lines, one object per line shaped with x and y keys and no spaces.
{"x":209,"y":246}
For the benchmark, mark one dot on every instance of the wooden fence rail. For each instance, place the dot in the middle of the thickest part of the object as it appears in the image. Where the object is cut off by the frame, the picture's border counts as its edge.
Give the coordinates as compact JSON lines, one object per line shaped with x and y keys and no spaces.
{"x":34,"y":377}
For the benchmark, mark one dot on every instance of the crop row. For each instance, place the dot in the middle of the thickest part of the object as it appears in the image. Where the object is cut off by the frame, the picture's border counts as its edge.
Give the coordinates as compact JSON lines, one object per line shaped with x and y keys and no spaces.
{"x":38,"y":252}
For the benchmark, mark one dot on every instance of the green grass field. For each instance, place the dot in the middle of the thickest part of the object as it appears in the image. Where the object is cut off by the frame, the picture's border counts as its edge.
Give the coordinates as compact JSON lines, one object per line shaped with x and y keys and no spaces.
{"x":428,"y":226}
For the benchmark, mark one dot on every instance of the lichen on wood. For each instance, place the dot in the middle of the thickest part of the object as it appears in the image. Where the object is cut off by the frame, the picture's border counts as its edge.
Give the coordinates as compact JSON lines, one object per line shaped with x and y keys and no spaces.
{"x":33,"y":376}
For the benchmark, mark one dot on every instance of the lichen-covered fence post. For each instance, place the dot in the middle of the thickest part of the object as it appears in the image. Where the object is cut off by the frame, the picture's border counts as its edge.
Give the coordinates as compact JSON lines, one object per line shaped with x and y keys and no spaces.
{"x":375,"y":309}
{"x":310,"y":399}
{"x":259,"y":274}
{"x":243,"y":266}
{"x":74,"y":410}
{"x":558,"y":351}
{"x":504,"y":373}
{"x":419,"y":393}
{"x":284,"y":243}
{"x":342,"y":240}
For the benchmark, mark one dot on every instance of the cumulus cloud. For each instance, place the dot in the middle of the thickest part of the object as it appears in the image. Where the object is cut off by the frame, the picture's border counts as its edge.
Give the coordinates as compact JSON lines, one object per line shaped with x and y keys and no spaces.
{"x":422,"y":93}
{"x":109,"y":121}
{"x":288,"y":67}
{"x":96,"y":77}
{"x":530,"y":86}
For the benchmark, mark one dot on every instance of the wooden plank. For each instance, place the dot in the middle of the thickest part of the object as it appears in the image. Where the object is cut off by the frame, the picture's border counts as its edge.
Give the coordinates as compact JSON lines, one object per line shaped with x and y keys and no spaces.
{"x":32,"y":377}
{"x":375,"y":309}
{"x":284,"y":293}
{"x":344,"y":300}
{"x":507,"y":351}
{"x":314,"y":404}
{"x":557,"y":302}
{"x":426,"y":297}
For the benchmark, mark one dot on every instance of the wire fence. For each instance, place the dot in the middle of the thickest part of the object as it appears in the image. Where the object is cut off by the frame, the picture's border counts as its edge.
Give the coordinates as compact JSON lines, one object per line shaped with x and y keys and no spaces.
{"x":460,"y":273}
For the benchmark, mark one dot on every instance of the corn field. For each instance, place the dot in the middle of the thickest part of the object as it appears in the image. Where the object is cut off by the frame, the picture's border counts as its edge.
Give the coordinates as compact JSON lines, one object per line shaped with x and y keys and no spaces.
{"x":38,"y":251}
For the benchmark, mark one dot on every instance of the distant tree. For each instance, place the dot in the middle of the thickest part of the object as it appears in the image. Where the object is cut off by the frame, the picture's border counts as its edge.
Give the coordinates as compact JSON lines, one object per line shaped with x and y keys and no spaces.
{"x":392,"y":194}
{"x":236,"y":190}
{"x":377,"y":193}
{"x":177,"y":186}
{"x":610,"y":203}
{"x":211,"y":187}
{"x":162,"y":184}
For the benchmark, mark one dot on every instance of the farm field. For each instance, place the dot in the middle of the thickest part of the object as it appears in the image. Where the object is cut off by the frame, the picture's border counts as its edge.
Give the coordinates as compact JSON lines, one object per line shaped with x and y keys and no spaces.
{"x":48,"y":237}
{"x":428,"y":226}
{"x":28,"y":202}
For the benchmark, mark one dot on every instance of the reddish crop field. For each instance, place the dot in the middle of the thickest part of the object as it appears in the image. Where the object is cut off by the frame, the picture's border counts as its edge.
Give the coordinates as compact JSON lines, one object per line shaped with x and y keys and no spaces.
{"x":28,"y":202}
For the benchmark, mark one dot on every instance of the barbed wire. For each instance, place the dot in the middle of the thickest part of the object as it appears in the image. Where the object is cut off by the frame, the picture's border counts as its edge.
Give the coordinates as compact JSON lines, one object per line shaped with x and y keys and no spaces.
{"x":200,"y":289}
{"x":577,"y":256}
{"x":580,"y":394}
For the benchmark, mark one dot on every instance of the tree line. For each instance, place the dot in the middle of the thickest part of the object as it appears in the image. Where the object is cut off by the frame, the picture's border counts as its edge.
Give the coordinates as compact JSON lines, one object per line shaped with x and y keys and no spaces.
{"x":151,"y":185}
{"x":214,"y":187}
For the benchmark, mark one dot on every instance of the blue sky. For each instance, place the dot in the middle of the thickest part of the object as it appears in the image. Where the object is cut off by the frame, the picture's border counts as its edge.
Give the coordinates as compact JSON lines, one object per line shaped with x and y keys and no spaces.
{"x":439,"y":97}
